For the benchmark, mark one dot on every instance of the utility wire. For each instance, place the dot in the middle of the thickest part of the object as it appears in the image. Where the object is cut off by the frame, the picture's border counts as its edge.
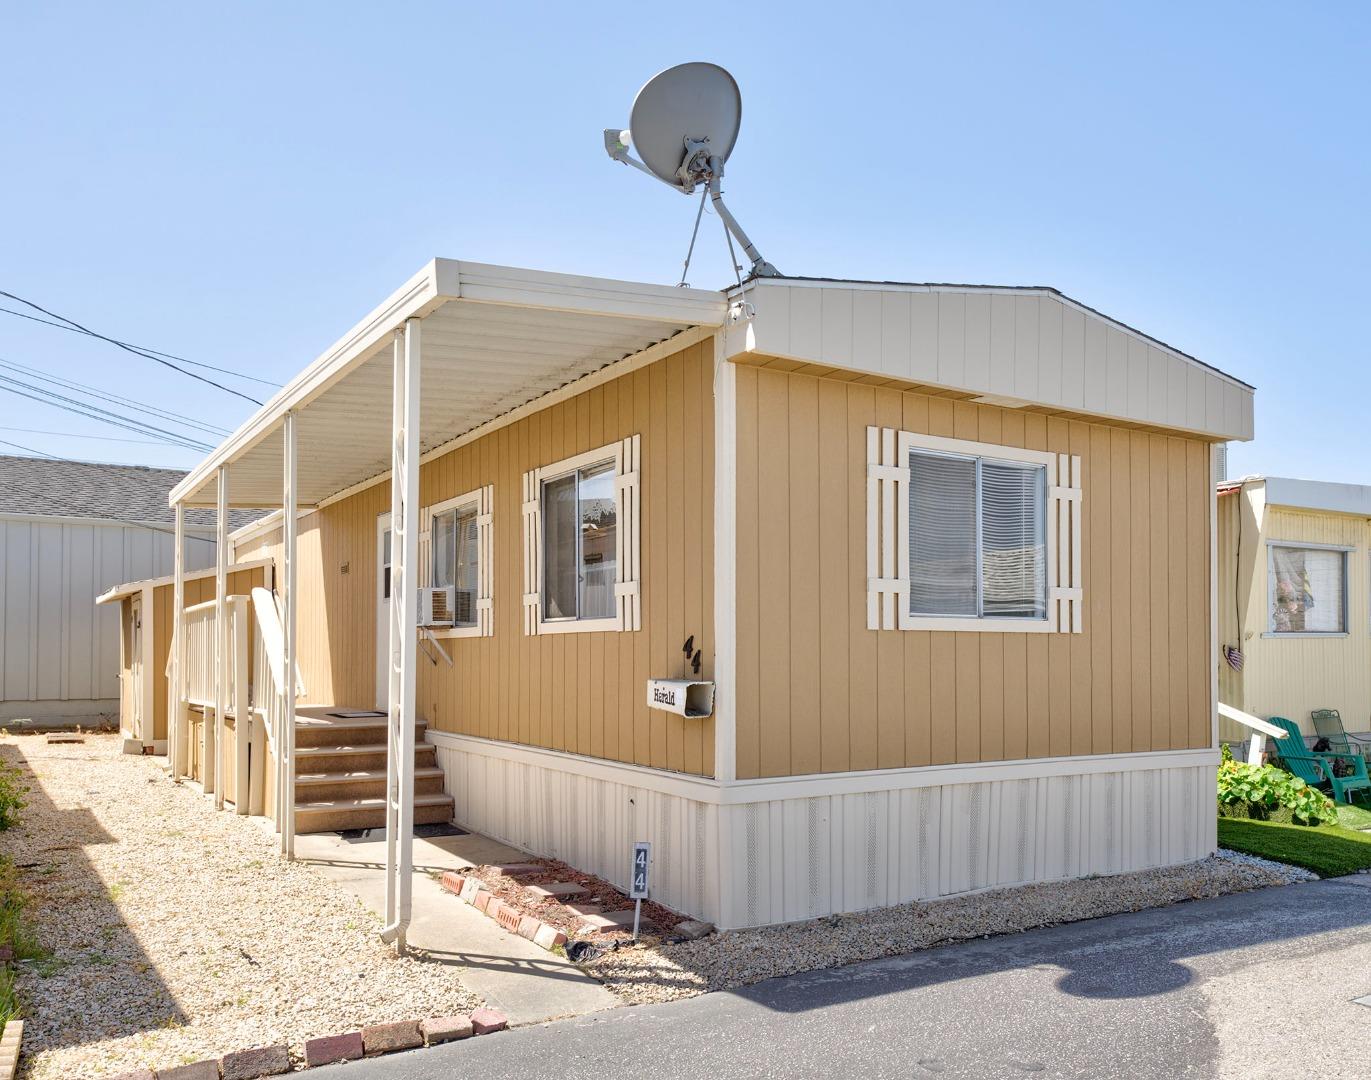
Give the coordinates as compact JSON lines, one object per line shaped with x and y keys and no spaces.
{"x":129,"y":348}
{"x":30,"y":450}
{"x":91,"y":412}
{"x":106,"y":396}
{"x":75,"y":435}
{"x":144,"y":348}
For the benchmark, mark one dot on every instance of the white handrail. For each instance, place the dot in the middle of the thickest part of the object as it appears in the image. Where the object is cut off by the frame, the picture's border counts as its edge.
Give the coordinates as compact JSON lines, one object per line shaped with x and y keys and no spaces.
{"x":198,"y":622}
{"x":1260,"y":729}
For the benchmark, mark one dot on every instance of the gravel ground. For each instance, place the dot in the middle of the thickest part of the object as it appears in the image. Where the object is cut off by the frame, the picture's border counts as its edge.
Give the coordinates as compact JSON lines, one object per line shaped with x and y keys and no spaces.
{"x":648,"y":974}
{"x":176,"y":932}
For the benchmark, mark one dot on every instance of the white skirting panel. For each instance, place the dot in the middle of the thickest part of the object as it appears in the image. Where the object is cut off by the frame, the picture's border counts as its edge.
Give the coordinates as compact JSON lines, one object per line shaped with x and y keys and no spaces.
{"x":588,"y":821}
{"x":737,"y":863}
{"x":802,"y":858}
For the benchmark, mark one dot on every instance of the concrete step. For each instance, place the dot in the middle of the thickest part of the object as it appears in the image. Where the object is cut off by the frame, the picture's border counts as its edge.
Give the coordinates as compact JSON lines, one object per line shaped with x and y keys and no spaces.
{"x":360,"y":783}
{"x":362,"y":756}
{"x":312,"y":732}
{"x":367,"y":813}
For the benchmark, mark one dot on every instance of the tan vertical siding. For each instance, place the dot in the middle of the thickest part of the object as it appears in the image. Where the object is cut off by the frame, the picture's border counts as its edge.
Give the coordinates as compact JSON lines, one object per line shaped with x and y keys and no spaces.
{"x":581,"y":693}
{"x":818,"y":692}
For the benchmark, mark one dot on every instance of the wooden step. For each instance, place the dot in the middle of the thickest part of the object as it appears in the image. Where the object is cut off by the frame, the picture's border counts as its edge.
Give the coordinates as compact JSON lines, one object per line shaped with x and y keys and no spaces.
{"x":323,"y":759}
{"x":360,"y":783}
{"x":367,"y":813}
{"x":312,"y":732}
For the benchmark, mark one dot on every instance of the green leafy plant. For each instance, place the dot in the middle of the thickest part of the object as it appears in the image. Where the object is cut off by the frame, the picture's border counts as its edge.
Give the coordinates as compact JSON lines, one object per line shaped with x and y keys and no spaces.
{"x":1264,"y":791}
{"x":11,"y":795}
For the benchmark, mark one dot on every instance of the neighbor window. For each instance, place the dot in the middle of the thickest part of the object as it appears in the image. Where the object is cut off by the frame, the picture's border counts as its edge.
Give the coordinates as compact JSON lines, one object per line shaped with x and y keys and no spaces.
{"x":1307,"y":589}
{"x":456,"y":559}
{"x":977,"y":537}
{"x":580,"y":536}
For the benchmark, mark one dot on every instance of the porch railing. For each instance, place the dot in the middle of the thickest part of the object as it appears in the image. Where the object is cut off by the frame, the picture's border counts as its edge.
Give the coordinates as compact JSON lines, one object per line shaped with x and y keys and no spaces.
{"x":272,"y":708}
{"x":1260,"y":730}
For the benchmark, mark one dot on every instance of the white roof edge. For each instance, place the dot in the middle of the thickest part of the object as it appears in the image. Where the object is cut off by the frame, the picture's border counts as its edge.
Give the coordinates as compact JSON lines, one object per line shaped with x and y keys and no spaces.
{"x":131,"y":587}
{"x":441,"y":281}
{"x":1007,"y":290}
{"x":1326,"y":495}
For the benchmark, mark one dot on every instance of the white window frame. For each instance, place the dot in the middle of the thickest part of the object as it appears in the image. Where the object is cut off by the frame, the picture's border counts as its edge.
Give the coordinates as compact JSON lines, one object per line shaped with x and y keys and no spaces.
{"x":483,"y":499}
{"x":625,"y":455}
{"x":888,"y":587}
{"x":1346,"y":550}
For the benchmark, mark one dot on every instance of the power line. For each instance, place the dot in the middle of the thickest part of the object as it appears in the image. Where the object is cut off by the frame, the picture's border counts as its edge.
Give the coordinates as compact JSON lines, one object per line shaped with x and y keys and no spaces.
{"x":144,"y":348}
{"x":130,"y":348}
{"x":92,"y":412}
{"x":106,"y":396}
{"x":30,"y":450}
{"x":75,"y":435}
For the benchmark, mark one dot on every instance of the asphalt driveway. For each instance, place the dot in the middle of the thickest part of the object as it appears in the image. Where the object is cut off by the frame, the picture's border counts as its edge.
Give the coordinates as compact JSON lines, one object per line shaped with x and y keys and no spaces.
{"x":1253,"y":985}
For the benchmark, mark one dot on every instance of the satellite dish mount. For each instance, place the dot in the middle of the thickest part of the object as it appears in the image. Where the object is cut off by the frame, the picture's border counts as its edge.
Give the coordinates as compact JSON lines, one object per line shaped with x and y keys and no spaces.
{"x":684,"y":123}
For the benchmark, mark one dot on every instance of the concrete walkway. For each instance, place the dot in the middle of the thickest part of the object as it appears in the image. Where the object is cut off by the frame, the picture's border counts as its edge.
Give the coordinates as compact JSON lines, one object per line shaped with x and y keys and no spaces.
{"x":526,"y":983}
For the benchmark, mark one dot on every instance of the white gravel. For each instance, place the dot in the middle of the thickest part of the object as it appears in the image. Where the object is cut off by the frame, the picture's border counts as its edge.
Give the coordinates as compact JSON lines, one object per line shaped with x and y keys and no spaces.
{"x":177,"y":932}
{"x":658,"y":972}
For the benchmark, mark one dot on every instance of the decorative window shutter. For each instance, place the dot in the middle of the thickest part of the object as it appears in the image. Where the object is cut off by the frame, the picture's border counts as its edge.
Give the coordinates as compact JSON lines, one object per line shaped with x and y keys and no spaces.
{"x":1065,"y":587}
{"x":485,"y":548}
{"x":887,"y":519}
{"x":627,"y":587}
{"x":533,"y":563}
{"x":425,"y":575}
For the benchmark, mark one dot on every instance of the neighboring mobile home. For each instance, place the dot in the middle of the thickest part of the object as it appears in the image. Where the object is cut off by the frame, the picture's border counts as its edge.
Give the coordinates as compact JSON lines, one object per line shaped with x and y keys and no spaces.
{"x":1295,"y":600}
{"x":69,"y":530}
{"x":944,"y":553}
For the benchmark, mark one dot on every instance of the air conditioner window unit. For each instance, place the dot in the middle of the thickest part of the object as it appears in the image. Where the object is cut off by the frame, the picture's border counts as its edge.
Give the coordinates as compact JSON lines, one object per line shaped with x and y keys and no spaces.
{"x":435,"y":606}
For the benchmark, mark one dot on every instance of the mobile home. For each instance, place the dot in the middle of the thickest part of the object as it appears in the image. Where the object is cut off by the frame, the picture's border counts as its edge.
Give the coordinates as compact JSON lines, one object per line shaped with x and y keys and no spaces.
{"x":1295,"y":600}
{"x":943,"y":553}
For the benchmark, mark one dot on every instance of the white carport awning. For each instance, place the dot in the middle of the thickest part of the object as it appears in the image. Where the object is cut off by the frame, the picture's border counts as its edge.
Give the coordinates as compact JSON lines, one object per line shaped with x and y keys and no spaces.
{"x":493,"y":338}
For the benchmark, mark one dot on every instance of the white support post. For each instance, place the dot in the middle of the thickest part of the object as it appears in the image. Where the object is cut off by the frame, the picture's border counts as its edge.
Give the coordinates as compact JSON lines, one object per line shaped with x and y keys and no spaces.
{"x":176,"y":756}
{"x":286,"y":764}
{"x":404,"y":632}
{"x":213,"y":755}
{"x":243,"y":720}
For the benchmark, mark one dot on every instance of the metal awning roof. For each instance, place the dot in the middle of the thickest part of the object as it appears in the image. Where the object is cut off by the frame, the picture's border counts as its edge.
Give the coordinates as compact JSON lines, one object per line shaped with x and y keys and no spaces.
{"x":493,"y":338}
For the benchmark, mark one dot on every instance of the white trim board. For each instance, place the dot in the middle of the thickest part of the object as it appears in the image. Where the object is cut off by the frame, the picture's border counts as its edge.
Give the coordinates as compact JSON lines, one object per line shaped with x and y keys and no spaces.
{"x":131,"y":587}
{"x":737,"y":792}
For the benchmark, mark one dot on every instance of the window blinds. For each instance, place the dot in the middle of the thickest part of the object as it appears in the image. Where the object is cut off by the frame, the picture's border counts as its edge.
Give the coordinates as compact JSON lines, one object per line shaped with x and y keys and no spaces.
{"x":942,"y":535}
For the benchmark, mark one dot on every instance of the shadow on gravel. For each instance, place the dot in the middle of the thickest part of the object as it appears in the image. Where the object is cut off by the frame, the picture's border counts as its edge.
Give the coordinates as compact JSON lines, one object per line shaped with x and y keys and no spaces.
{"x":1119,"y":957}
{"x":78,"y":924}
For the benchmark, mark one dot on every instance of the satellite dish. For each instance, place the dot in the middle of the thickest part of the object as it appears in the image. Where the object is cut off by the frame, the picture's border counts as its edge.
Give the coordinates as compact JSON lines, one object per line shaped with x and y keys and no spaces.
{"x":691,"y":105}
{"x":684,"y":124}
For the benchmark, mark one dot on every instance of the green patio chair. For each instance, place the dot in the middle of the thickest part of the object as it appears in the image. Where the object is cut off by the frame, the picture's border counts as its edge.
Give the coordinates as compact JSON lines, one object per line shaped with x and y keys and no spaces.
{"x":1328,"y":725}
{"x":1317,"y":769}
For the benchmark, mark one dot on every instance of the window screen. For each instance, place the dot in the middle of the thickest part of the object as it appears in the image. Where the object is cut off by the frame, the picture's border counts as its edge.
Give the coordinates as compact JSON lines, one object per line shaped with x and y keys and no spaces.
{"x":1307,"y":591}
{"x":580,"y":544}
{"x":455,"y":558}
{"x":977,"y":543}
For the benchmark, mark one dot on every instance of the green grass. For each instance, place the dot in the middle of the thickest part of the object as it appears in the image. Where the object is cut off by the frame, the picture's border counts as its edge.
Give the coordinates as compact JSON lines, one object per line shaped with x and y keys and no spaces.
{"x":1353,"y":817}
{"x":1328,"y":850}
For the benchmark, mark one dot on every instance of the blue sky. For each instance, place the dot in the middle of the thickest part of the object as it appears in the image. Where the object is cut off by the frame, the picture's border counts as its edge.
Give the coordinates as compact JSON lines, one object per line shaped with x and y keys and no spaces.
{"x":238,"y":183}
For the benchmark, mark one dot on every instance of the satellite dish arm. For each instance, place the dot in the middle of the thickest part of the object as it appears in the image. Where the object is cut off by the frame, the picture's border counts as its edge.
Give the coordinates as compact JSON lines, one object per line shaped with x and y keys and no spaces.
{"x":760,"y":267}
{"x":617,"y":148}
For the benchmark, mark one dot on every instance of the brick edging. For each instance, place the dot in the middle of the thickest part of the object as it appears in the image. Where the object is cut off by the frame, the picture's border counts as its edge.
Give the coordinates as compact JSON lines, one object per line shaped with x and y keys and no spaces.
{"x":473,"y":891}
{"x":371,"y":1041}
{"x":9,"y":1049}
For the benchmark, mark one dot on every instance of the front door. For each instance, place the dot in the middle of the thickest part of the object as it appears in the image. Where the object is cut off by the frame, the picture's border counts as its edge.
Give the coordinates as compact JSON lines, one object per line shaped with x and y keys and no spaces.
{"x":383,"y":612}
